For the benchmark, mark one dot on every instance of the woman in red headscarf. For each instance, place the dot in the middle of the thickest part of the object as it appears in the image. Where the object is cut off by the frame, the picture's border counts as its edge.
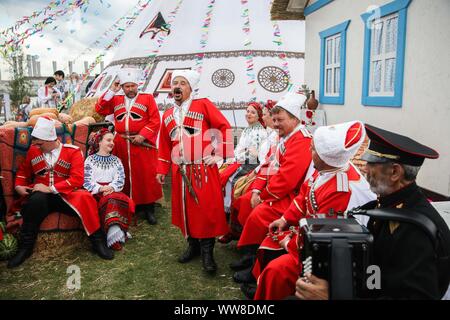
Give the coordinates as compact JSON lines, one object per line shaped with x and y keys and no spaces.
{"x":251,"y":136}
{"x":246,"y":152}
{"x":104,"y":177}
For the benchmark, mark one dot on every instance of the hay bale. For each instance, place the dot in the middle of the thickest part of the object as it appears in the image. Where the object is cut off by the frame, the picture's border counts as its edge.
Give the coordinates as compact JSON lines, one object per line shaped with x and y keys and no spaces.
{"x":85,"y":108}
{"x":53,"y":244}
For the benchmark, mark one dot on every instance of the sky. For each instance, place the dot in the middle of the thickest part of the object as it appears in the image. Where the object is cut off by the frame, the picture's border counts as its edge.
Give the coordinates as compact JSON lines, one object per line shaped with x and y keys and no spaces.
{"x":75,"y":32}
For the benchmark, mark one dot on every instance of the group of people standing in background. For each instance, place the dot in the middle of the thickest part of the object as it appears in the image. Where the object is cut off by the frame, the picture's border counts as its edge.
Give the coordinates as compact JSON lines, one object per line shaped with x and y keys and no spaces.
{"x":52,"y":94}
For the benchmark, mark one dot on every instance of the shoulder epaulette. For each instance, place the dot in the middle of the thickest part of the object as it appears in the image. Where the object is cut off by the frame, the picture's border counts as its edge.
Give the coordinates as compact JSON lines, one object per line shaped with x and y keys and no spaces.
{"x":70,"y":146}
{"x":342,"y":184}
{"x":306,"y":133}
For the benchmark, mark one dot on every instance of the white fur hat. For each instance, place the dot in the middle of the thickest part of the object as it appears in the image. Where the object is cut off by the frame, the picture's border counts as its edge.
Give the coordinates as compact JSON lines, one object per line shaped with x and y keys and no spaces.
{"x":44,"y":129}
{"x":193,"y":77}
{"x":292,"y":102}
{"x":337,"y":144}
{"x":133,"y":75}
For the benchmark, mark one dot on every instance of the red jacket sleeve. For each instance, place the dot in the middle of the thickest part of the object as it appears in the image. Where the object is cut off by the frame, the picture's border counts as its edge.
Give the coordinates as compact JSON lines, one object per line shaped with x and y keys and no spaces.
{"x":297,"y":209}
{"x":150,"y":130}
{"x":338,"y":201}
{"x":164,"y":151}
{"x":225,"y":146}
{"x":291,"y":173}
{"x":76,"y":175}
{"x":25,"y":172}
{"x":104,"y":107}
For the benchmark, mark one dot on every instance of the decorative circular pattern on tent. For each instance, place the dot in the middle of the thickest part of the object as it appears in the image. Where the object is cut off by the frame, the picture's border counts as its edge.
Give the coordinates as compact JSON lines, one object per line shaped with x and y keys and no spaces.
{"x":106,"y":82}
{"x":273,"y":79}
{"x":222,"y":78}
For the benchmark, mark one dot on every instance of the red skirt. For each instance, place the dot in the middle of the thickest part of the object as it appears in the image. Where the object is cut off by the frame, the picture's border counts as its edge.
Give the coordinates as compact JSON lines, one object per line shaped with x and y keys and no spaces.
{"x":115,"y":208}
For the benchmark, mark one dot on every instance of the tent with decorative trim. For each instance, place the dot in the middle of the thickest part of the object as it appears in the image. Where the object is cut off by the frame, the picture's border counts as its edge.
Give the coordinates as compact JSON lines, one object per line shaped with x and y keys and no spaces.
{"x":241,"y":54}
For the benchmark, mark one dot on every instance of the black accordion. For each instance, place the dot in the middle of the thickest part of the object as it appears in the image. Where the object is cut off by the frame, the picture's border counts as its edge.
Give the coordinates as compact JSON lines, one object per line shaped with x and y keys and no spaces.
{"x":339,"y":251}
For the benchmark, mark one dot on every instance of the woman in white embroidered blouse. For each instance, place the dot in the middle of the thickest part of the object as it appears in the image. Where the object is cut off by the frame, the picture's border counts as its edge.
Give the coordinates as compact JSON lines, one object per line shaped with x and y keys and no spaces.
{"x":270,"y":141}
{"x":246,"y":154}
{"x":104,"y":177}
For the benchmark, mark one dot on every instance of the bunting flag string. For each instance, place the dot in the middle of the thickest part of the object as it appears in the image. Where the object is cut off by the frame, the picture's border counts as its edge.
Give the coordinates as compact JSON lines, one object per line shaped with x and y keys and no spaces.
{"x":160,"y":38}
{"x":26,"y":19}
{"x":17,"y":39}
{"x":98,"y":59}
{"x":278,"y":40}
{"x":204,"y":36}
{"x":130,"y":17}
{"x":247,"y":45}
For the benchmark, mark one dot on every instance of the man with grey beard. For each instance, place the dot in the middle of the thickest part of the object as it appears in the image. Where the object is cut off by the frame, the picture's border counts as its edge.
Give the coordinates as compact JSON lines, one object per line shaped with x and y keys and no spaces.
{"x":412,"y":265}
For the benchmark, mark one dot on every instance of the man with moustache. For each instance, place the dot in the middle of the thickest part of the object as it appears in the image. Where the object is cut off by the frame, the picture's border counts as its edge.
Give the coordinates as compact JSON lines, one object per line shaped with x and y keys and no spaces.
{"x":335,"y":187}
{"x":137,"y":122}
{"x":51,"y":179}
{"x":412,"y":265}
{"x":194,"y":137}
{"x":277,"y":184}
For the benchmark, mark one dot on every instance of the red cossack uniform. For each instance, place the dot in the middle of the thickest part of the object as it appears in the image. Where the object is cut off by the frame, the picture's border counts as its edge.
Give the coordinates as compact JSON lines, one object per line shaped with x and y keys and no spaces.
{"x":67,"y":176}
{"x":279,"y":183}
{"x":139,"y":162}
{"x":205,"y":219}
{"x":339,"y":190}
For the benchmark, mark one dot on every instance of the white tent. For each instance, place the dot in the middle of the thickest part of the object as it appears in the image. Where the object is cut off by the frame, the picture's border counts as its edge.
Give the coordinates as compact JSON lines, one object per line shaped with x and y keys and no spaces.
{"x":230,"y":42}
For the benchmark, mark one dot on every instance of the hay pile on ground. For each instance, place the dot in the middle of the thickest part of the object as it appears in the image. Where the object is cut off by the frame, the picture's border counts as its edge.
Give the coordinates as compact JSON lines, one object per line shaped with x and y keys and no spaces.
{"x":53,"y":244}
{"x":85,"y":108}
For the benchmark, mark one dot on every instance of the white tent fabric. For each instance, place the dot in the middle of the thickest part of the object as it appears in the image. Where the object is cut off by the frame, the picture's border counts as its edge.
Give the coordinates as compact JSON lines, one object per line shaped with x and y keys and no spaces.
{"x":224,"y":48}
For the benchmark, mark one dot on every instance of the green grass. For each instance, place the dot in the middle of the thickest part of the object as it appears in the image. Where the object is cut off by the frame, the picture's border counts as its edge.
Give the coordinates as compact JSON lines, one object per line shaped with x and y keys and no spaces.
{"x":146,"y":268}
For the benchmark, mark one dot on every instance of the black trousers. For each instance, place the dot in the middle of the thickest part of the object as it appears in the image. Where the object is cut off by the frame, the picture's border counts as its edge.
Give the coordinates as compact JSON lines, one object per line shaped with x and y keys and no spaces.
{"x":39,"y":206}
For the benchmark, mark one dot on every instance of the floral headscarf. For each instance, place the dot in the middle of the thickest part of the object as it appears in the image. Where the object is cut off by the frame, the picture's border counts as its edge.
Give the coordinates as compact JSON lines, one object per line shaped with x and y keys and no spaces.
{"x":94,"y":141}
{"x":258,"y":109}
{"x":270,"y":104}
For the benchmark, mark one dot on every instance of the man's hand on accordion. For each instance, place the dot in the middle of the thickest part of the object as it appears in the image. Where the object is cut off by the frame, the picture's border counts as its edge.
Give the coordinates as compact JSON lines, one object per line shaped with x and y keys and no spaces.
{"x":278,"y":225}
{"x":311,"y":288}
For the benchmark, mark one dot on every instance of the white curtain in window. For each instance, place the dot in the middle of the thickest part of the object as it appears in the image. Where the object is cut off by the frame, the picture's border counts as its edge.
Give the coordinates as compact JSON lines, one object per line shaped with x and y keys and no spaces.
{"x":376,"y":80}
{"x":328,"y":83}
{"x":389,"y":75}
{"x":337,"y":74}
{"x":337,"y":50}
{"x":329,"y":51}
{"x":391,"y":35}
{"x":377,"y":33}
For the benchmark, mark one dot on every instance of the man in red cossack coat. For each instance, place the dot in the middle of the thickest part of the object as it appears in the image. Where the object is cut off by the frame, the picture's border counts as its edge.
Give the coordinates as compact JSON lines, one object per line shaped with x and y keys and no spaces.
{"x":137,"y":123}
{"x":276,"y":184}
{"x":335,"y":187}
{"x":52,"y":177}
{"x":194,"y":137}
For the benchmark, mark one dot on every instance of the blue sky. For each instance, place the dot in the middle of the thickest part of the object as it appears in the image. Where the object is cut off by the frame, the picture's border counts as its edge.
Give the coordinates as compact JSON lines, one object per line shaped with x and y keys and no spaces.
{"x":74,"y":34}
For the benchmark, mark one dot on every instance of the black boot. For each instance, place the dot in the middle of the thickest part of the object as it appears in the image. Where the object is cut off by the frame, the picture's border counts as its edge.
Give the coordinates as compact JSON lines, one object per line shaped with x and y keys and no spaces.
{"x":150,"y":213}
{"x":249,"y":290}
{"x":247,"y":259}
{"x":27,"y":241}
{"x":99,"y":245}
{"x":207,"y":250}
{"x":244,"y":276}
{"x":192,"y":251}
